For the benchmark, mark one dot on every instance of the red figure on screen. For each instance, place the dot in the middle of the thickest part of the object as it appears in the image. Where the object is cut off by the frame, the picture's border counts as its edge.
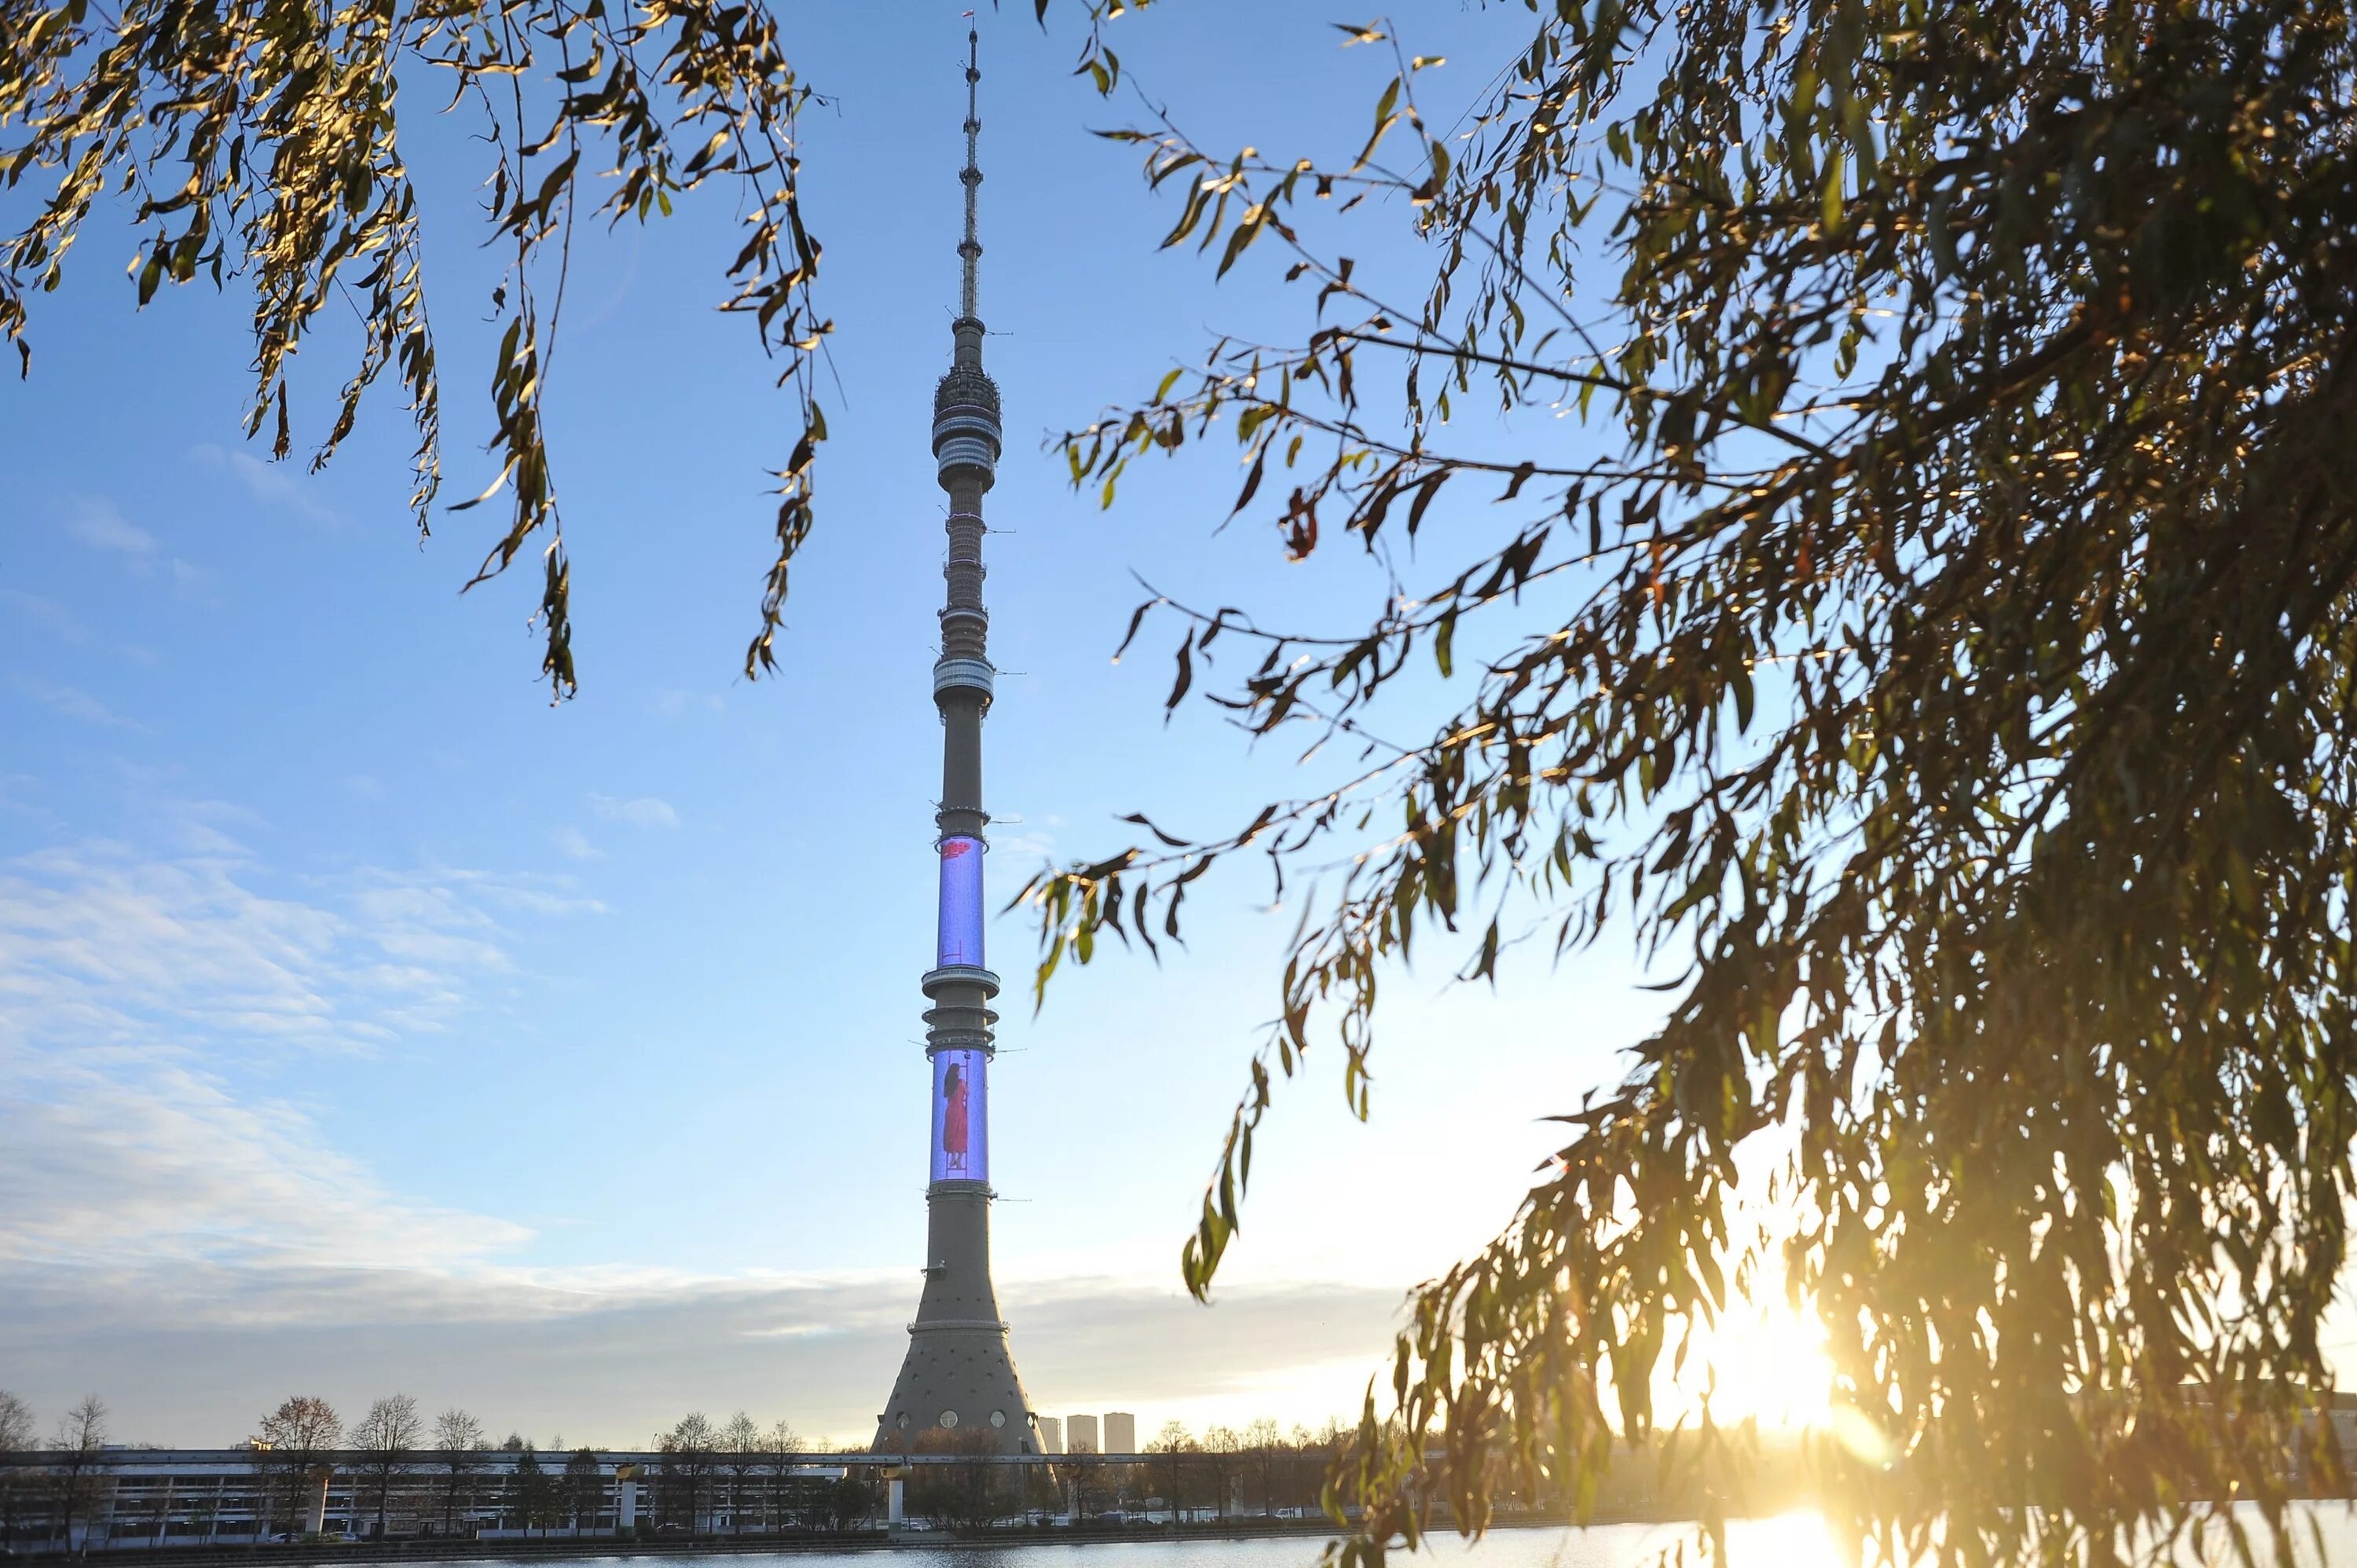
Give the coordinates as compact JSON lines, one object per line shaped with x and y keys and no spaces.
{"x":953,"y":1133}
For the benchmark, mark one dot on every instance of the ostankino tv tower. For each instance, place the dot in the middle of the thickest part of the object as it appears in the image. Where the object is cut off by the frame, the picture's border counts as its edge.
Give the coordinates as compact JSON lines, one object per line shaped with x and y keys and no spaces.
{"x":958,"y":1377}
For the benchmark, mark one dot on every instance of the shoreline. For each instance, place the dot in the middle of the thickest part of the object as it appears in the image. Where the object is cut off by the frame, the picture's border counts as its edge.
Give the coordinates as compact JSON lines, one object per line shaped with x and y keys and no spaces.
{"x":562,"y":1548}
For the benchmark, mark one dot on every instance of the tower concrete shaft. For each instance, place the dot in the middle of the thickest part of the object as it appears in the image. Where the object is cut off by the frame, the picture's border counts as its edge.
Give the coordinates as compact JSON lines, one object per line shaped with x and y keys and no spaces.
{"x":958,"y":1377}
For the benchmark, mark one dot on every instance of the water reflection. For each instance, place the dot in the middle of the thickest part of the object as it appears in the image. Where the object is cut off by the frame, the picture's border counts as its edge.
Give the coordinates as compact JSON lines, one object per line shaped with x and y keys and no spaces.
{"x":1790,"y":1541}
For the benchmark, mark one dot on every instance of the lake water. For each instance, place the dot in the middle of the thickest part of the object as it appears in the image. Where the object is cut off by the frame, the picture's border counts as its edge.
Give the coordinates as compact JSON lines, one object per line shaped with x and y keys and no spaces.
{"x":1794,"y":1540}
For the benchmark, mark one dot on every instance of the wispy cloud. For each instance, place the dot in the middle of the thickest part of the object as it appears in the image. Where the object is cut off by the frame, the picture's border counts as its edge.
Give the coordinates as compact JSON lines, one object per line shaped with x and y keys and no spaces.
{"x":132,"y":980}
{"x":611,"y":1357}
{"x":74,"y":703}
{"x":99,"y":523}
{"x":645,"y":811}
{"x":32,"y":609}
{"x":100,"y":946}
{"x":271,"y":482}
{"x":136,"y":983}
{"x":162,"y":1166}
{"x":106,"y":946}
{"x":575,"y":844}
{"x":95,"y":521}
{"x":671,"y":704}
{"x":1016,"y":842}
{"x":187,"y":827}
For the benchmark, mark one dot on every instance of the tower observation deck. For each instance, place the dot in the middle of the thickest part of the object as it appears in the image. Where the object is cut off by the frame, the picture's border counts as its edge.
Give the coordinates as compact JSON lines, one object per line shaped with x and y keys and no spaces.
{"x":958,"y":1376}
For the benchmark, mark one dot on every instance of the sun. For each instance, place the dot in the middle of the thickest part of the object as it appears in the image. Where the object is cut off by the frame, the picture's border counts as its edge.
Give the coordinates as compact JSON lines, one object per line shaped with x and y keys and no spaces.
{"x":1759,"y":1362}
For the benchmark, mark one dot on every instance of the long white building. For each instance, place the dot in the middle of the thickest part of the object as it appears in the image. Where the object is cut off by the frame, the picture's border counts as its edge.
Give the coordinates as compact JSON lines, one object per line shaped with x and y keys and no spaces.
{"x":127,"y":1498}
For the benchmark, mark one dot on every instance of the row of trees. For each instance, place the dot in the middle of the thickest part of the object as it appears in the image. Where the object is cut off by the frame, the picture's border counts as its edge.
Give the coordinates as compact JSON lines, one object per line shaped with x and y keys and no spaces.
{"x":728,"y":1476}
{"x":1258,"y":1470}
{"x":66,"y":1491}
{"x":410,"y":1474}
{"x":296,"y":1437}
{"x":1261,"y":1471}
{"x":711,"y":1470}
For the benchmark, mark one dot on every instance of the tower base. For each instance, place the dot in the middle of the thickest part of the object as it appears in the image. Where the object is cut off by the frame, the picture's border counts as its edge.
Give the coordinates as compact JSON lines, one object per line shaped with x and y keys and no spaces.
{"x":957,"y":1385}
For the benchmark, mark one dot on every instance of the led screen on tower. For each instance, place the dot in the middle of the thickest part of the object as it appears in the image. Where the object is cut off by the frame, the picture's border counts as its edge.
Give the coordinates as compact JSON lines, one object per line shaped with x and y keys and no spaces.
{"x":961,"y":908}
{"x":960,"y":1115}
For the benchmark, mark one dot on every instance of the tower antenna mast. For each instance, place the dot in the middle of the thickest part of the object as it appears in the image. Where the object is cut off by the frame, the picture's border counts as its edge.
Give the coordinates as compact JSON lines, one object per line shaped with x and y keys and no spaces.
{"x":970,"y":248}
{"x":958,"y":1371}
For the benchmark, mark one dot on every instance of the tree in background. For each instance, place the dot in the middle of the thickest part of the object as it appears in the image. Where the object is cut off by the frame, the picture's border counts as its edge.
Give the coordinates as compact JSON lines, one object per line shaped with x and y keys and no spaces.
{"x":16,"y":1425}
{"x":1222,"y":1445}
{"x":1261,"y":1444}
{"x":1040,"y":1493}
{"x":388,"y":1434}
{"x":294,"y":1436}
{"x":458,"y":1443}
{"x":536,"y":1497}
{"x":1175,"y":1469}
{"x":968,"y":1495}
{"x":741,"y":1440}
{"x":845,"y":1504}
{"x":527,"y":1490}
{"x":783,"y":1441}
{"x":18,"y":1436}
{"x":686,"y":1476}
{"x":1335,"y":1439}
{"x":79,"y":1479}
{"x":585,"y":1488}
{"x":547,"y":1501}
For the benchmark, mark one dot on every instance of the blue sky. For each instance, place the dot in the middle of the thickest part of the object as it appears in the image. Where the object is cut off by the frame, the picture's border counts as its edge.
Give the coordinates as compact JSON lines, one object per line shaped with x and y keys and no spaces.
{"x":367,"y":1024}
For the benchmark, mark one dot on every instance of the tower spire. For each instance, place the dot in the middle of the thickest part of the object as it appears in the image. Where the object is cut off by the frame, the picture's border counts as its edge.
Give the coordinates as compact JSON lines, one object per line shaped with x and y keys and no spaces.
{"x":970,"y":248}
{"x":958,"y":1371}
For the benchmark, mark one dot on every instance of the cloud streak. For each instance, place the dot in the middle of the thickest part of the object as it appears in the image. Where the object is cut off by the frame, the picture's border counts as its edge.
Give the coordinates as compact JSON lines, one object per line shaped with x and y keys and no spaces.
{"x":266,"y":483}
{"x":121,"y":1161}
{"x":75,"y":704}
{"x":672,"y":702}
{"x":182,"y":1352}
{"x":647,"y":811}
{"x":97,"y":523}
{"x":133,"y":983}
{"x":32,"y":609}
{"x":103,"y":944}
{"x":574,"y":844}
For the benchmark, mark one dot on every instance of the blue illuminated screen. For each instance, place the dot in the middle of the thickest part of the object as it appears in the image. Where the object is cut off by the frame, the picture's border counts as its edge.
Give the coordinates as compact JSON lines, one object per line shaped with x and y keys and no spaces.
{"x":961,"y":924}
{"x":960,"y":1116}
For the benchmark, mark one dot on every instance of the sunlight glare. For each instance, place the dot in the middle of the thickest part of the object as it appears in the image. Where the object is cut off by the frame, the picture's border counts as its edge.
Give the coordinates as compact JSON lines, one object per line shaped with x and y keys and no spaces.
{"x":1763,"y":1362}
{"x":1787,"y":1540}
